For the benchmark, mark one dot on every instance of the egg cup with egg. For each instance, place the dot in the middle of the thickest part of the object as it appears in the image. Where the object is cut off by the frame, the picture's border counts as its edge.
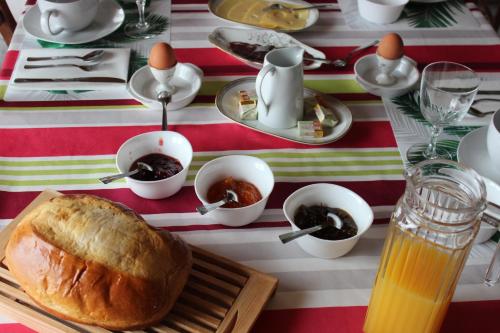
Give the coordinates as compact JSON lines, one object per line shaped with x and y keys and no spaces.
{"x":389,"y":55}
{"x":162,"y":63}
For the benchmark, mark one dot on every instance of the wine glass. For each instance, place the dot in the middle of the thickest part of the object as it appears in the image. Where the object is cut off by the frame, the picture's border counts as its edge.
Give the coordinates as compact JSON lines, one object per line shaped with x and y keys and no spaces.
{"x":447,"y":91}
{"x":139,"y":29}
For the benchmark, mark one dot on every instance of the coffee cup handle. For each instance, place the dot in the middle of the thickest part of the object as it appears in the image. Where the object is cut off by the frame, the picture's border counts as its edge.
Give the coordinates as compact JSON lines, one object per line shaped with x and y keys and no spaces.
{"x":260,"y":78}
{"x":45,"y":22}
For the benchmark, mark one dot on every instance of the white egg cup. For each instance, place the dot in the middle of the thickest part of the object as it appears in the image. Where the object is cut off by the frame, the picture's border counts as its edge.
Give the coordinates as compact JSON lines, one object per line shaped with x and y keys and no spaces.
{"x":164,"y":77}
{"x":385,"y":69}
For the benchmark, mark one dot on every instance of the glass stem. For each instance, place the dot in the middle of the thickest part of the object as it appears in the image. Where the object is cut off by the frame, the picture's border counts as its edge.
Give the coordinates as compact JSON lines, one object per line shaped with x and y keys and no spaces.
{"x":141,"y":6}
{"x":430,"y":152}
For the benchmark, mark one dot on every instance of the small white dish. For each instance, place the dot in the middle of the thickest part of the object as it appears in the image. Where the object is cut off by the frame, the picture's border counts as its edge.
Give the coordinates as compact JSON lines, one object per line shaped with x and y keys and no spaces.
{"x":109,"y":17}
{"x":161,"y":142}
{"x":222,"y":37}
{"x":381,"y":11}
{"x":186,"y":82}
{"x":227,"y":104}
{"x":332,"y":196}
{"x":472,"y":152}
{"x":406,"y":74}
{"x":312,"y":18}
{"x":240,"y":167}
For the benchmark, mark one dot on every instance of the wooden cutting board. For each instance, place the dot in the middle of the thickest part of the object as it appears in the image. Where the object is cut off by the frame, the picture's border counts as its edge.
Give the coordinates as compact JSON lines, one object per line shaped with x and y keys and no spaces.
{"x":221,"y":296}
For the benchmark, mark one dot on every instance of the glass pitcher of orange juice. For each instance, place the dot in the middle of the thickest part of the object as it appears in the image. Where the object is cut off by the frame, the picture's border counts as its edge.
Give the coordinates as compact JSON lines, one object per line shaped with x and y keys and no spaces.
{"x":428,"y":241}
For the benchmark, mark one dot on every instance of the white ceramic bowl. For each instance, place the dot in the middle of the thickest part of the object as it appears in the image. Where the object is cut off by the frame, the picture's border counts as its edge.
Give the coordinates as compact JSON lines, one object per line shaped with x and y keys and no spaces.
{"x":381,"y":11}
{"x":332,"y":196}
{"x":240,"y":167}
{"x":164,"y":142}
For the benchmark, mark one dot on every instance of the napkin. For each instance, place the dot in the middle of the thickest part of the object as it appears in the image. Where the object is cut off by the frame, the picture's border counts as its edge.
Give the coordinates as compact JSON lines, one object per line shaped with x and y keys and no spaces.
{"x":114,"y":63}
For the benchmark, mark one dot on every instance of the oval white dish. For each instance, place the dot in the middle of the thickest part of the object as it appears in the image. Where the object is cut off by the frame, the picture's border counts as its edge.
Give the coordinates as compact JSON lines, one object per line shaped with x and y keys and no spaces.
{"x":222,"y":37}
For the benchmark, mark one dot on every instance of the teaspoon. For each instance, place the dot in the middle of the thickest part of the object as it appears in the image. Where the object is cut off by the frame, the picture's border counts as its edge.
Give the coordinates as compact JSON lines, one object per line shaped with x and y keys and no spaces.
{"x":290,"y":236}
{"x":278,"y":6}
{"x":91,"y":56}
{"x":230,"y":196}
{"x":164,"y":98}
{"x":140,"y":166}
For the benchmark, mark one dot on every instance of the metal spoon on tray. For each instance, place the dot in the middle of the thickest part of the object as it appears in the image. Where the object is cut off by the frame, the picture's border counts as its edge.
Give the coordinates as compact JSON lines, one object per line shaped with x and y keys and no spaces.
{"x":290,"y":236}
{"x":230,"y":196}
{"x":140,"y":166}
{"x":341,"y":63}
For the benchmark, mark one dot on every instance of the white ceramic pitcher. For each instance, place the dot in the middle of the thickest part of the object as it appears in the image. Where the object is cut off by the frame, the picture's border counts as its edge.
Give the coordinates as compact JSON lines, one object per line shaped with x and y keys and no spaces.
{"x":279,"y":87}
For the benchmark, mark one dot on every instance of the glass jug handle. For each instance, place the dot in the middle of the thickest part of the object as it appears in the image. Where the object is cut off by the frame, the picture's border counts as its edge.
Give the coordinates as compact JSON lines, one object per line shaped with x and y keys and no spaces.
{"x":493,"y":271}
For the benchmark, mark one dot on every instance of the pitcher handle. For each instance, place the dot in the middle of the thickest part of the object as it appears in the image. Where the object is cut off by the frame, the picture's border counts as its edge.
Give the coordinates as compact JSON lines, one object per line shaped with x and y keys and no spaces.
{"x":260,"y":77}
{"x":45,"y":22}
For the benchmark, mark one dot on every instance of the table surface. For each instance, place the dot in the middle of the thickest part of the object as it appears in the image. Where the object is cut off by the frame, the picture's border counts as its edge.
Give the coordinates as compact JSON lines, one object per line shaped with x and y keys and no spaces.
{"x":66,"y":141}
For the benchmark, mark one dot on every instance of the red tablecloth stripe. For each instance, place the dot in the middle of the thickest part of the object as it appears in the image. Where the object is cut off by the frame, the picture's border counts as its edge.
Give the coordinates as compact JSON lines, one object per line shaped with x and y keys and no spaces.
{"x":481,"y":316}
{"x":106,"y":140}
{"x":376,"y":193}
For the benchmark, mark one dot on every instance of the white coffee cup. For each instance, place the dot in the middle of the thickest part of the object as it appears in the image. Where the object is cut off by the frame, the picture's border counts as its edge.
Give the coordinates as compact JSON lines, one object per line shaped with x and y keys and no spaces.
{"x":66,"y":15}
{"x":493,"y":139}
{"x":279,"y":87}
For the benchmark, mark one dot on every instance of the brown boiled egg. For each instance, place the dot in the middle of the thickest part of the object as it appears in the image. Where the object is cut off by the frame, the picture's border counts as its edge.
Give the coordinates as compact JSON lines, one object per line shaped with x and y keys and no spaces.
{"x":391,"y":46}
{"x":162,"y":56}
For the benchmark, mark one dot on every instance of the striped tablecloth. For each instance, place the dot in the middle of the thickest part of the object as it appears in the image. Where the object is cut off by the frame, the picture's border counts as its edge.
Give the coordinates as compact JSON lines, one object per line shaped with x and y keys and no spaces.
{"x":66,"y":141}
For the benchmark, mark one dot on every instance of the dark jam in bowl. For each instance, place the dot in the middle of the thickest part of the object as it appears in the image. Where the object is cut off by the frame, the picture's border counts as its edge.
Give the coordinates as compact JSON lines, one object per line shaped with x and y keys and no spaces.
{"x":164,"y":166}
{"x":247,"y":193}
{"x":310,"y":216}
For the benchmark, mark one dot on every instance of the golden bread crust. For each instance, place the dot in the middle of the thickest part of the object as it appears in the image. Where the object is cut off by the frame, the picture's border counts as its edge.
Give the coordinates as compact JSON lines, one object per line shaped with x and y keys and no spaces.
{"x":78,"y":282}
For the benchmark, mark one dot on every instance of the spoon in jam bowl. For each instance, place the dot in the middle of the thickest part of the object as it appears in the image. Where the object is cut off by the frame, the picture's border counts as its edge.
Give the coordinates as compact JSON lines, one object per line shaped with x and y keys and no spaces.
{"x":290,"y":236}
{"x":230,"y":196}
{"x":140,"y":166}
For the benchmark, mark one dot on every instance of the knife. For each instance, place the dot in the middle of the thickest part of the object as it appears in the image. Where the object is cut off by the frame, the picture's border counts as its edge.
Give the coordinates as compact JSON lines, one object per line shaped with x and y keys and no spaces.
{"x":488,"y":92}
{"x":74,"y":79}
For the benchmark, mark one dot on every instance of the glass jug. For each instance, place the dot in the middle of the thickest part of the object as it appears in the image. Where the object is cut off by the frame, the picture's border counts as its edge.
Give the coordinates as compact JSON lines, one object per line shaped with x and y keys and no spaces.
{"x":429,"y":238}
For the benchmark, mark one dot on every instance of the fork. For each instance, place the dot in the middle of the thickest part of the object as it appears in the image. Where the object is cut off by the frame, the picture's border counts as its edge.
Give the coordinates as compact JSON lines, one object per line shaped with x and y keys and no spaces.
{"x":86,"y":68}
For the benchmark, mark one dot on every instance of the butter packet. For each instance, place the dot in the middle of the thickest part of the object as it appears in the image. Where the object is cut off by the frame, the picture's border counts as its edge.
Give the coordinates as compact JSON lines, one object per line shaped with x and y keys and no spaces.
{"x":247,"y":105}
{"x":310,"y":129}
{"x":325,"y":116}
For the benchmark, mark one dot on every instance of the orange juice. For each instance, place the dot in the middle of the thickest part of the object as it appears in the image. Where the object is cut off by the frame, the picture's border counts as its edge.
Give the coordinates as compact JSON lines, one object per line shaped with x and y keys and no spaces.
{"x":414,"y":286}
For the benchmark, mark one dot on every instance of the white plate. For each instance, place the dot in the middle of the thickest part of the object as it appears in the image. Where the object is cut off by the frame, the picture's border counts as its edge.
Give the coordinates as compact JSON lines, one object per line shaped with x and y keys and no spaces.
{"x":109,"y":18}
{"x":186,"y":81}
{"x":472,"y":153}
{"x":221,"y":37}
{"x":312,"y":18}
{"x":227,"y":103}
{"x":406,"y":73}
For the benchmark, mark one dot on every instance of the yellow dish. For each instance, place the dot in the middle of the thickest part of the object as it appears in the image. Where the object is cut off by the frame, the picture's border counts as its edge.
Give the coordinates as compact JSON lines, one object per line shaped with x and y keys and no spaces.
{"x":252,"y":12}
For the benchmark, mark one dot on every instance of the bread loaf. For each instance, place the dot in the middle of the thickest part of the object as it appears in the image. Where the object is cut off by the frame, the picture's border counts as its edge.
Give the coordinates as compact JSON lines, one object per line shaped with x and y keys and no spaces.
{"x":93,"y":261}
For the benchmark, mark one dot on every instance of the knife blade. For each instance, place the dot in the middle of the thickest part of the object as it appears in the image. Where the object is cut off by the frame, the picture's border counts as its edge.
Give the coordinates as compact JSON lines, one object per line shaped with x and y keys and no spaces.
{"x":488,"y":92}
{"x":73,"y":79}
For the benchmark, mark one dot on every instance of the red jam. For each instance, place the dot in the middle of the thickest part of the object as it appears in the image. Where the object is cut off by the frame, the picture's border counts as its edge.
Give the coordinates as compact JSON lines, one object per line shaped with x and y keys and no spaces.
{"x":247,"y":193}
{"x":164,"y":166}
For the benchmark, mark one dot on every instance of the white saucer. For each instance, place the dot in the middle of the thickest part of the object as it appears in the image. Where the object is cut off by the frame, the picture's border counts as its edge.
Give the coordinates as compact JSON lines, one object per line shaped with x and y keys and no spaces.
{"x":406,"y":75}
{"x":110,"y":16}
{"x":472,"y":153}
{"x":186,"y":81}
